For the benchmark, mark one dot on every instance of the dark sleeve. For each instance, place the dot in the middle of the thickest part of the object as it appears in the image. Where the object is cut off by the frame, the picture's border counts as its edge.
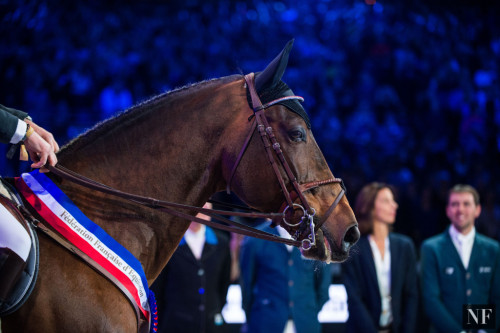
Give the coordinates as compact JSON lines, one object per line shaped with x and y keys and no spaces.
{"x":247,"y":268}
{"x":8,"y":122}
{"x":225,"y":274}
{"x":495,"y":287}
{"x":359,"y":316}
{"x":439,"y":316}
{"x":410,"y":290}
{"x":158,"y":287}
{"x":323,"y":280}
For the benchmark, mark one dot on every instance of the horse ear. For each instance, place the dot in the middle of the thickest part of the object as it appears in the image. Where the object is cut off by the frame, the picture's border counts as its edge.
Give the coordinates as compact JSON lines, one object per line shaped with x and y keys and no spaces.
{"x":270,"y":76}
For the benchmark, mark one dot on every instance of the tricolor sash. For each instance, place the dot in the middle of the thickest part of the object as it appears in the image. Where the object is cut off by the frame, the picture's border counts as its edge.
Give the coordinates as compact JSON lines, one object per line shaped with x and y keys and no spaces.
{"x":64,"y":216}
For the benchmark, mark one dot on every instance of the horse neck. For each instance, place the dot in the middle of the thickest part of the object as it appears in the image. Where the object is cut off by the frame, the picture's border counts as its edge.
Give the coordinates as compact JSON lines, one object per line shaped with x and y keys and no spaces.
{"x":170,"y":150}
{"x":160,"y":146}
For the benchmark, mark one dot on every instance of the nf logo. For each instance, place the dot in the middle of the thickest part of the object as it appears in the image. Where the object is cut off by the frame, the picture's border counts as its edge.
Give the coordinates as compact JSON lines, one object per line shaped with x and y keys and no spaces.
{"x":477,"y":316}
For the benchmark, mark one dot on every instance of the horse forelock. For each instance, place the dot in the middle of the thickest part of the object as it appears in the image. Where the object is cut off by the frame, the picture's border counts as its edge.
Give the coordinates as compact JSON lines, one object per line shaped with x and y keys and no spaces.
{"x":139,"y":110}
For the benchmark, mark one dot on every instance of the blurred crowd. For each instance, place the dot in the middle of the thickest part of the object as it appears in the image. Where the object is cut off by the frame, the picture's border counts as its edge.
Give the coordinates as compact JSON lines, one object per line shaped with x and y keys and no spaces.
{"x":401,"y":92}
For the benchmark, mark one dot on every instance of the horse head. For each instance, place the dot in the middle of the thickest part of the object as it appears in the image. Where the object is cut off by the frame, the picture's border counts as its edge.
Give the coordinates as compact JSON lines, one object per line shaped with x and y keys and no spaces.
{"x":326,"y":206}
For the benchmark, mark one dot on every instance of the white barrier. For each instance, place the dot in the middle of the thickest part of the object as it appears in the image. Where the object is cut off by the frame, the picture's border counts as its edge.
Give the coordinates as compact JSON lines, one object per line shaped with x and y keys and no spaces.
{"x":334,"y":310}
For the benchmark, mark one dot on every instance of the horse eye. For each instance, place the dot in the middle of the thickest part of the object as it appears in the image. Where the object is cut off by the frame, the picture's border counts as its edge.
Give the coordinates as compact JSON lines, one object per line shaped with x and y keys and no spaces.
{"x":297,"y":135}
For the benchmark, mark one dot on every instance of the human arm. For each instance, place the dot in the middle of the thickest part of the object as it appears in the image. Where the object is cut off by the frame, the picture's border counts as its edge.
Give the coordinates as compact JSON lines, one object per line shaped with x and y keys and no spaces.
{"x":16,"y":126}
{"x":495,"y":289}
{"x":323,"y":279}
{"x":41,"y":147}
{"x":158,"y":287}
{"x":247,"y":272}
{"x":359,"y":315}
{"x":224,"y":275}
{"x":410,"y":290}
{"x":434,"y":307}
{"x":12,"y":125}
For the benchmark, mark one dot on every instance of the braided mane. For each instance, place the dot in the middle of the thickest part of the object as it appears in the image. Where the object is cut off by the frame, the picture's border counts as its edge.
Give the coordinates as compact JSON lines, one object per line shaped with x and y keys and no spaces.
{"x":140,"y":109}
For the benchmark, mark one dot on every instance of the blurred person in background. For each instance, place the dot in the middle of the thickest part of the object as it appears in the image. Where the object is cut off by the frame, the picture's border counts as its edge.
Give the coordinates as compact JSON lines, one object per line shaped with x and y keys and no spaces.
{"x":459,"y":266}
{"x":380,"y":277}
{"x":281,"y":290}
{"x":192,"y":288}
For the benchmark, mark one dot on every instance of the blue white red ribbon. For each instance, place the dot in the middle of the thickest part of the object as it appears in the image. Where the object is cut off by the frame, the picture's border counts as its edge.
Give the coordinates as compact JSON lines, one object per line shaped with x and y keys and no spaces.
{"x":64,"y":216}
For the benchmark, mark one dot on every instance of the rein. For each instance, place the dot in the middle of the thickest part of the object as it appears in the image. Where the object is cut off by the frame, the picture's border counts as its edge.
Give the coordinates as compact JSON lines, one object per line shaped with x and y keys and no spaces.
{"x":168,"y":207}
{"x":269,"y":140}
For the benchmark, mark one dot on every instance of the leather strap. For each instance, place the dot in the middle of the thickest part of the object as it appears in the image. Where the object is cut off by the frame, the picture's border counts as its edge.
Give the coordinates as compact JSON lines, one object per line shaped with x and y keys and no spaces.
{"x":165,"y":206}
{"x":240,"y":156}
{"x":269,"y":140}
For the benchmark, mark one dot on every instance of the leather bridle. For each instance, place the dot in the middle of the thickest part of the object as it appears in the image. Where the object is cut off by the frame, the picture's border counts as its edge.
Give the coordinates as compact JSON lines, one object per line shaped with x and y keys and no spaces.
{"x":272,"y":147}
{"x":269,"y":140}
{"x":305,"y":226}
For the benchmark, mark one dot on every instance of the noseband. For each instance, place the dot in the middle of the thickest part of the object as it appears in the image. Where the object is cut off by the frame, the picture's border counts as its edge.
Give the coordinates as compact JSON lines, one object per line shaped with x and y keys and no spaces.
{"x":271,"y":144}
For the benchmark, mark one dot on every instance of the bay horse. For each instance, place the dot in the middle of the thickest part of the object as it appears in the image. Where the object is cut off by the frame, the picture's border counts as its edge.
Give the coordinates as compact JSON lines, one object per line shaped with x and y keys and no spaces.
{"x":181,"y":146}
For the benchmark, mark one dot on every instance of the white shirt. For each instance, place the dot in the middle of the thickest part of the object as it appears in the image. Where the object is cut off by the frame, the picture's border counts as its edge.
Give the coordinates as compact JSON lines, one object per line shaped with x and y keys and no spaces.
{"x":20,"y":131}
{"x":383,"y":269}
{"x":463,"y":243}
{"x":290,"y":325}
{"x":196,"y":241}
{"x":284,"y":234}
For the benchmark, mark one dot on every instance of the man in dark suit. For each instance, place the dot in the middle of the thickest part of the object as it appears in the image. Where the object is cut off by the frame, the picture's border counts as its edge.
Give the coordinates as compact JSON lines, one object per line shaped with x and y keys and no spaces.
{"x":280,"y":288}
{"x":459,"y":266}
{"x":191,"y":290}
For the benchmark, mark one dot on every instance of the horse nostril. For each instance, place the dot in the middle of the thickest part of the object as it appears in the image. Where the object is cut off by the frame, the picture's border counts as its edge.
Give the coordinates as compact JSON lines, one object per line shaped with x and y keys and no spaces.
{"x":350,"y":238}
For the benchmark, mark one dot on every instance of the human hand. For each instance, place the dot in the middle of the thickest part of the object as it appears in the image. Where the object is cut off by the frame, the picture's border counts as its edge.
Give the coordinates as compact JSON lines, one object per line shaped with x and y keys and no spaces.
{"x":46,"y":135}
{"x":41,"y":147}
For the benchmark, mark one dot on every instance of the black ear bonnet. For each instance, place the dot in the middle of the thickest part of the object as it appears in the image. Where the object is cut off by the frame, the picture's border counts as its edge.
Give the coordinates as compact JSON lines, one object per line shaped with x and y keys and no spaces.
{"x":270,"y":86}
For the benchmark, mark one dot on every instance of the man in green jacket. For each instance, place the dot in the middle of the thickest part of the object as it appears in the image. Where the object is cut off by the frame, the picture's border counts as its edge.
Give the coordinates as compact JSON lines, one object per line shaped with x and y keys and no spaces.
{"x":460,"y":266}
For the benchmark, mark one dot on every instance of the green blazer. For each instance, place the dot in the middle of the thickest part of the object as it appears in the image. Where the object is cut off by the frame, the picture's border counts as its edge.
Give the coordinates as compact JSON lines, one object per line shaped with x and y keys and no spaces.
{"x":447,"y":285}
{"x":8,"y":122}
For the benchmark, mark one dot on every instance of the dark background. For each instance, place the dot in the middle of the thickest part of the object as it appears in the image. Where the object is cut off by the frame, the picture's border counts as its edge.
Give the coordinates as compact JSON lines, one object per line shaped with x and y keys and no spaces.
{"x":405,"y":92}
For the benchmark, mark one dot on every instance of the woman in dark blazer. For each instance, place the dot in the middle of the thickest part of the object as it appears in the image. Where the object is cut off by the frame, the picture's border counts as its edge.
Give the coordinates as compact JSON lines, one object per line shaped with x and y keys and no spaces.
{"x":380,"y":277}
{"x":191,"y":290}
